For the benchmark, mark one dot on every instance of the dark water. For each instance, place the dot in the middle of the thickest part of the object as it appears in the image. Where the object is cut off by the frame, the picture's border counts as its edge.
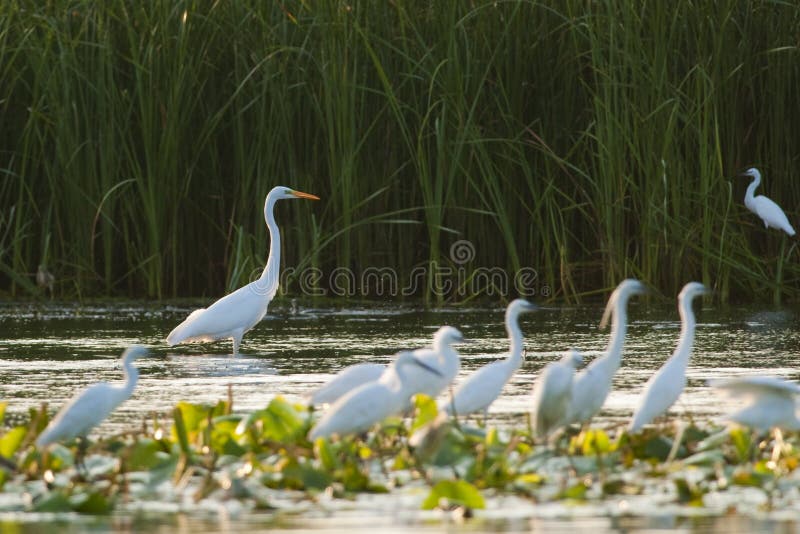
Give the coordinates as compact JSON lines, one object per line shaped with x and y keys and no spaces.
{"x":48,"y":352}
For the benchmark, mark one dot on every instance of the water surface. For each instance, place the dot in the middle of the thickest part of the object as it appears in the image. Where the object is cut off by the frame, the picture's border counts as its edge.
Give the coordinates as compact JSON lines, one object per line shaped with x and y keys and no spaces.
{"x":50,"y":351}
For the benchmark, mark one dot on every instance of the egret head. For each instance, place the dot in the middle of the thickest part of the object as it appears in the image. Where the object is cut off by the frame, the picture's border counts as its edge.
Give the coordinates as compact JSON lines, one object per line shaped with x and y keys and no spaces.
{"x":134,"y":352}
{"x":281,"y":192}
{"x":518,"y":306}
{"x":752,"y":172}
{"x":447,"y":335}
{"x":692,"y":290}
{"x":625,"y":290}
{"x":406,"y":359}
{"x":573,"y":358}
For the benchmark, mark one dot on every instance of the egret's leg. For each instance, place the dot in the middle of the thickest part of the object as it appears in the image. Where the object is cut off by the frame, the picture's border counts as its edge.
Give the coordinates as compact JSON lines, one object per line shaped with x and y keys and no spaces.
{"x":237,"y":340}
{"x":80,"y":454}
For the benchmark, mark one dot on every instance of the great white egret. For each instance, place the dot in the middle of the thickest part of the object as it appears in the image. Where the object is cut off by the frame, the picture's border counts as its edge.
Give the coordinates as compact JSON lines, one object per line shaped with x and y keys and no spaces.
{"x":481,"y":388}
{"x":441,"y":356}
{"x":373,"y":402}
{"x":773,"y":402}
{"x":551,"y":394}
{"x":663,"y":388}
{"x":91,"y":406}
{"x":593,"y":383}
{"x":234,"y":314}
{"x":772,"y":214}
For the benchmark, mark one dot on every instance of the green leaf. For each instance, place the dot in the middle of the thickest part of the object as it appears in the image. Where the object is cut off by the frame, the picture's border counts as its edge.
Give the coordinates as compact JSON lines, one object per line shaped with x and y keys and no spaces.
{"x":3,"y":406}
{"x":94,"y":503}
{"x":179,"y":431}
{"x":11,"y":440}
{"x":223,"y":437}
{"x":426,"y":411}
{"x":324,"y":453}
{"x":282,"y":421}
{"x":143,"y":455}
{"x":194,"y":417}
{"x":740,"y":437}
{"x":576,"y":492}
{"x":55,"y":501}
{"x":688,"y":493}
{"x":447,"y":493}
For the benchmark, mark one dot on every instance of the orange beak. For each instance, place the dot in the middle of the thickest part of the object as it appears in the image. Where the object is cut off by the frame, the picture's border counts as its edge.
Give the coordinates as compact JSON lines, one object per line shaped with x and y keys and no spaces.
{"x":300,"y":194}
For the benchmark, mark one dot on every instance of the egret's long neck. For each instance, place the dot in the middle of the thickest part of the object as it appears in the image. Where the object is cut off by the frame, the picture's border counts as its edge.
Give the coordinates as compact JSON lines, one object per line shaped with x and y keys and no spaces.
{"x":131,"y":377}
{"x":515,"y":337}
{"x":271,"y":271}
{"x":688,"y":324}
{"x":619,"y":326}
{"x":749,"y":196}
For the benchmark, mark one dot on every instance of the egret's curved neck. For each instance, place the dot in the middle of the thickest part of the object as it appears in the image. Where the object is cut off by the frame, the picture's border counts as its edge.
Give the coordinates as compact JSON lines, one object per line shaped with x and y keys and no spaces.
{"x":619,"y":326}
{"x":440,"y":347}
{"x":515,"y":338}
{"x":131,"y":377}
{"x":749,"y":196}
{"x":688,"y":324}
{"x":273,"y":266}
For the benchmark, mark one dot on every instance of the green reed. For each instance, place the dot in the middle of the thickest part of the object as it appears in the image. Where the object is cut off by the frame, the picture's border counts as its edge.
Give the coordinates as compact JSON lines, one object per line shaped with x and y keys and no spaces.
{"x":589,"y":141}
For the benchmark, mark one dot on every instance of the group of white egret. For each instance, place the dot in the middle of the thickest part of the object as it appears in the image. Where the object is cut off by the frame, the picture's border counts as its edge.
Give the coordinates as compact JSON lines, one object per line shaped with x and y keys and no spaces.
{"x":363,"y":395}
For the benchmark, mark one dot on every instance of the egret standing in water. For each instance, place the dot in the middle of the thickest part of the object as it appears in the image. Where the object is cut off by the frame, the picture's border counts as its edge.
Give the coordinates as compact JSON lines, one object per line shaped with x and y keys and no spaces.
{"x":552,"y":393}
{"x":772,"y":214}
{"x":234,"y":314}
{"x":480,"y":389}
{"x":773,"y":402}
{"x":593,"y":384}
{"x":442,"y":356}
{"x":664,"y":387}
{"x":373,"y":402}
{"x":92,"y":406}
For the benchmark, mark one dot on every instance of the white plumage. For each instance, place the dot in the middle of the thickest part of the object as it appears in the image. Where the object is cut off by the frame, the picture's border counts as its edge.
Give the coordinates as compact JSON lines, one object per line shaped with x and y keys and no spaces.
{"x":772,"y":214}
{"x":480,"y":389}
{"x":234,"y":314}
{"x":772,"y":401}
{"x":91,"y":406}
{"x":346,"y":381}
{"x":663,"y":388}
{"x":593,"y":383}
{"x":551,"y":394}
{"x":442,"y":356}
{"x":373,"y":402}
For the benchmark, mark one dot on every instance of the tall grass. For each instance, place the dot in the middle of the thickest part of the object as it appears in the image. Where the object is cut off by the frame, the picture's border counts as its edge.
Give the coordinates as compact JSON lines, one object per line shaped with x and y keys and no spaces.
{"x":589,"y":141}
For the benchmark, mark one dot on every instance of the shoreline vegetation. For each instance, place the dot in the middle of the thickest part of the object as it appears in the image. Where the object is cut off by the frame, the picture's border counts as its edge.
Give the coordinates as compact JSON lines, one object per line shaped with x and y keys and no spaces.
{"x":589,"y":142}
{"x":264,"y":461}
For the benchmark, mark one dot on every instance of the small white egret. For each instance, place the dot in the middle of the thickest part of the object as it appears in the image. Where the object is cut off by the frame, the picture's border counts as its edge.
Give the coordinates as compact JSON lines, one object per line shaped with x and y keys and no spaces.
{"x":91,"y":406}
{"x":772,"y":402}
{"x":663,"y":388}
{"x":234,"y":314}
{"x":373,"y":402}
{"x":479,"y":390}
{"x":772,"y":214}
{"x":442,"y":356}
{"x":346,"y":380}
{"x":593,"y":384}
{"x":551,"y":394}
